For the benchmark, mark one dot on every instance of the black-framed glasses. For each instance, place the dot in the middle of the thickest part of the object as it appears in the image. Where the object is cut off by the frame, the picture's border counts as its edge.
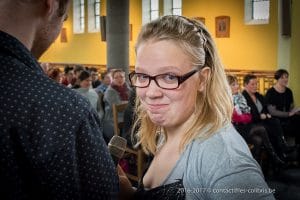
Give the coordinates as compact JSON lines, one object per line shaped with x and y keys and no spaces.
{"x":167,"y":81}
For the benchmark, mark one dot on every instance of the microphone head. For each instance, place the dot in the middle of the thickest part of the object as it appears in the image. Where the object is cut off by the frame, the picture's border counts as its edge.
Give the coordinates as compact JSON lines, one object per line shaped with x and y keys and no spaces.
{"x":117,"y":146}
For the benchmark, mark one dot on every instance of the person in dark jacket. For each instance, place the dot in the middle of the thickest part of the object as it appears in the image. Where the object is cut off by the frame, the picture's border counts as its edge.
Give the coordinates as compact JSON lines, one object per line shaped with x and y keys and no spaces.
{"x":260,"y":115}
{"x":254,"y":134}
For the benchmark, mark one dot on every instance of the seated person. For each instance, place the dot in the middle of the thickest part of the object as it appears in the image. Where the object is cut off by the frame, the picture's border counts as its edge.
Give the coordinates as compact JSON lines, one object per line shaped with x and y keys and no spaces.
{"x":85,"y":82}
{"x":116,"y":93}
{"x":261,"y":116}
{"x":68,"y":78}
{"x":95,"y":80}
{"x":77,"y":70}
{"x":105,"y":82}
{"x":253,"y":133}
{"x":55,"y":74}
{"x":280,"y":101}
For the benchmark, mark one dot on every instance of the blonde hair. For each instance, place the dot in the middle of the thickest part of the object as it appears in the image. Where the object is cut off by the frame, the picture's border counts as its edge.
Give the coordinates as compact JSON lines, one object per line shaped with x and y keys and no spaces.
{"x":231,"y":79}
{"x":213,"y":106}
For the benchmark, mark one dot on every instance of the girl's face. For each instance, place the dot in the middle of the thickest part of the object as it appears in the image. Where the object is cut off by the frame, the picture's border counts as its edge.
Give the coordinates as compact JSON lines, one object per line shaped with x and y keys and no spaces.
{"x":234,"y":87}
{"x":167,"y":108}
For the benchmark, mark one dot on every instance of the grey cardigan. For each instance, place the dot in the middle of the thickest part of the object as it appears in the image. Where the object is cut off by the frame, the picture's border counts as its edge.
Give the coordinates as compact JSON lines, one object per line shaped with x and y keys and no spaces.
{"x":220,"y":167}
{"x":111,"y":96}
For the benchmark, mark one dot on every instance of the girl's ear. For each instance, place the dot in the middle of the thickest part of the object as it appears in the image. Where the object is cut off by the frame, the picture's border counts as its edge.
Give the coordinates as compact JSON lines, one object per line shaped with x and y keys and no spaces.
{"x":204,"y":75}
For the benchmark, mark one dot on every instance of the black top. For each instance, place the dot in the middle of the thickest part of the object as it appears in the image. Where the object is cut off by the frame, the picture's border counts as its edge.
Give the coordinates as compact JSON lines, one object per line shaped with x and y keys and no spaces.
{"x":169,"y":191}
{"x":129,"y":117}
{"x":96,"y":83}
{"x":50,"y":137}
{"x":172,"y":191}
{"x":282,"y":101}
{"x":254,"y":111}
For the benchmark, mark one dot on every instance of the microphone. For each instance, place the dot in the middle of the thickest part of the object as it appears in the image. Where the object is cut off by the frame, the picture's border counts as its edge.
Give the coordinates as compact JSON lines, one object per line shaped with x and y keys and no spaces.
{"x":117,"y":146}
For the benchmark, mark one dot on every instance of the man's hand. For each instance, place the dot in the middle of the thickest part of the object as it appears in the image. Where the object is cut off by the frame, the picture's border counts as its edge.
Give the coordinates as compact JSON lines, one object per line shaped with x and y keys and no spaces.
{"x":126,"y":189}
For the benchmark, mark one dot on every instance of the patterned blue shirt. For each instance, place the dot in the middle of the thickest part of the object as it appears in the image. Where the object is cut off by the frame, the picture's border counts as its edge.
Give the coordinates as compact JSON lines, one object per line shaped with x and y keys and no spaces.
{"x":51,"y":142}
{"x":240,"y":103}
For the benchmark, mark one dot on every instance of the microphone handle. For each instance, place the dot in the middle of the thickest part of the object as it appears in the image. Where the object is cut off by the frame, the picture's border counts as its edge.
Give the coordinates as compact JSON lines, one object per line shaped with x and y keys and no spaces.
{"x":115,"y":159}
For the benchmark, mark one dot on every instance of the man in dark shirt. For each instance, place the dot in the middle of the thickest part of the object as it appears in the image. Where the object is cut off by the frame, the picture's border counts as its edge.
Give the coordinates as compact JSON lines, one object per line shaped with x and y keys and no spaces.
{"x":51,"y":143}
{"x":280,"y":103}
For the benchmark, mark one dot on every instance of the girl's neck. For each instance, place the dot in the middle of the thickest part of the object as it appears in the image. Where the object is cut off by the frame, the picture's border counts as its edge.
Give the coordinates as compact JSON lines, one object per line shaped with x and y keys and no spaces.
{"x":176,"y":133}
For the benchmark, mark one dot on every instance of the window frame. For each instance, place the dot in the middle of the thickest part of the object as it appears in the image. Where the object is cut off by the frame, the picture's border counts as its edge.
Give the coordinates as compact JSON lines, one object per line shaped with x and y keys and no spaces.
{"x":94,"y":12}
{"x":169,"y":7}
{"x":250,"y":13}
{"x":78,"y":16}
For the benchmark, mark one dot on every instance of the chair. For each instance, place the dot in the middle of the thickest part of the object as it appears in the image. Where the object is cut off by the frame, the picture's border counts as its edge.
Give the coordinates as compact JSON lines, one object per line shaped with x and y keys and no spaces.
{"x":118,"y":108}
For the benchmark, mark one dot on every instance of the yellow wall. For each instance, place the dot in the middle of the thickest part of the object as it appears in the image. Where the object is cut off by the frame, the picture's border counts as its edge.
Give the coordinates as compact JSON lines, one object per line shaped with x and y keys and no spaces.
{"x":88,"y":48}
{"x":248,"y":47}
{"x":295,"y":49}
{"x":80,"y":48}
{"x":135,"y":19}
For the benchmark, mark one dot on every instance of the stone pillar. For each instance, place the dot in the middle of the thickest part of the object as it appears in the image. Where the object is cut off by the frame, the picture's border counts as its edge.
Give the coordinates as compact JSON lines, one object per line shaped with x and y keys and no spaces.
{"x":117,"y":34}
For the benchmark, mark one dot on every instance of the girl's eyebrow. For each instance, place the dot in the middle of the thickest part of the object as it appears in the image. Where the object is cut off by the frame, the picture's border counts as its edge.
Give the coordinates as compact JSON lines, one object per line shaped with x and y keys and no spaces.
{"x":163,"y":70}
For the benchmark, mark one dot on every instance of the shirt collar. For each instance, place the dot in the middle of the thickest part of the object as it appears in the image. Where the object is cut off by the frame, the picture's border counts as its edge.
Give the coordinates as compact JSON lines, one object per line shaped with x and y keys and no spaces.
{"x":12,"y":46}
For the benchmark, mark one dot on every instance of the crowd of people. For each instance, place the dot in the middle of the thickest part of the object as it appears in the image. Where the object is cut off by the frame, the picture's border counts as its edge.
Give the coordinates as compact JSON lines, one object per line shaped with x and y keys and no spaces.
{"x":102,"y":92}
{"x":254,"y":119}
{"x":263,"y":121}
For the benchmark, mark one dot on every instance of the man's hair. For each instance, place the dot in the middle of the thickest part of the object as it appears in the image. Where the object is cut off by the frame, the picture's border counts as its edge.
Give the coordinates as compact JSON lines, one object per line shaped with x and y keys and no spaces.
{"x":54,"y":73}
{"x":67,"y":69}
{"x":78,"y":68}
{"x":279,"y":73}
{"x":62,"y":9}
{"x":84,"y":75}
{"x":103,"y":74}
{"x":248,"y":77}
{"x":93,"y":69}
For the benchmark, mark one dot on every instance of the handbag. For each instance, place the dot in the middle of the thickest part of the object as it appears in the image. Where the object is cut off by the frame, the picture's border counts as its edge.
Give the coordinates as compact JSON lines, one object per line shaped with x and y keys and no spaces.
{"x":241,"y":118}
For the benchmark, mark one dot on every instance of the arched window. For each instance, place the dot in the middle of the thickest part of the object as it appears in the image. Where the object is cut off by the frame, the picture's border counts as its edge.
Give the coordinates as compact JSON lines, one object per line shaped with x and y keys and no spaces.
{"x":78,"y":16}
{"x":172,"y":7}
{"x":257,"y":11}
{"x":150,"y":10}
{"x":93,"y":16}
